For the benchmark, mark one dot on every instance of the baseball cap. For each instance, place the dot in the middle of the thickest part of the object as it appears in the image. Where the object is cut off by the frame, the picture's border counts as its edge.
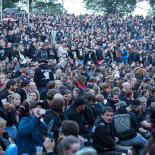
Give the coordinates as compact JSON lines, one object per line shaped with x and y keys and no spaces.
{"x":121,"y":103}
{"x":135,"y":102}
{"x":34,"y":103}
{"x":79,"y":101}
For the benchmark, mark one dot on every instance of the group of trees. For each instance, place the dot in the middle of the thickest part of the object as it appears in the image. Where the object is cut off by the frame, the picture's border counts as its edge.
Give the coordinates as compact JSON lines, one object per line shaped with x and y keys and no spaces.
{"x":122,"y":7}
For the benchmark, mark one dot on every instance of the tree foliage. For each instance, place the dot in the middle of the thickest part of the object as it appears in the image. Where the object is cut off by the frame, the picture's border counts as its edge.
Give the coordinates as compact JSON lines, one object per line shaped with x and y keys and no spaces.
{"x":122,"y":7}
{"x":38,"y":5}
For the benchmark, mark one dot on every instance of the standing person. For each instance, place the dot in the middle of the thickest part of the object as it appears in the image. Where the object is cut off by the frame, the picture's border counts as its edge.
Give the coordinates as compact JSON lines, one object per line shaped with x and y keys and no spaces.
{"x":102,"y":138}
{"x":28,"y":136}
{"x":43,"y":74}
{"x":119,"y":54}
{"x":31,"y":52}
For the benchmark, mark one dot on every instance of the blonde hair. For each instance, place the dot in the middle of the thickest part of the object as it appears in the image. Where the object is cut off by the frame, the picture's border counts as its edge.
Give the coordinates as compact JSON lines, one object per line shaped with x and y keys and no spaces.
{"x":36,"y":92}
{"x":58,"y":72}
{"x":2,"y":122}
{"x":125,"y":84}
{"x":12,"y":96}
{"x":19,"y":47}
{"x":56,"y":82}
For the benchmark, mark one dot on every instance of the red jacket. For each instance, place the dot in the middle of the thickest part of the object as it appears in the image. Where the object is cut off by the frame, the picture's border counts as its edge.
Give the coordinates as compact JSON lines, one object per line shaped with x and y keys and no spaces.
{"x":82,"y":86}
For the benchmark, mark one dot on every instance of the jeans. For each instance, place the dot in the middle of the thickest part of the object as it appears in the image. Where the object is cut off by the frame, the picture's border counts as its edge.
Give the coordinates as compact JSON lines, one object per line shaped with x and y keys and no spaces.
{"x":136,"y":141}
{"x":80,"y":60}
{"x":11,"y":131}
{"x":125,"y":61}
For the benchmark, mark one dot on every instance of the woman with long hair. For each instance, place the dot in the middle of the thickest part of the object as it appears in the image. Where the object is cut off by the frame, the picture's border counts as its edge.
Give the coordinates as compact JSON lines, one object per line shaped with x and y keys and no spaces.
{"x":22,"y":55}
{"x":23,"y":110}
{"x":57,"y":84}
{"x":106,"y":90}
{"x":14,"y":100}
{"x":76,"y":93}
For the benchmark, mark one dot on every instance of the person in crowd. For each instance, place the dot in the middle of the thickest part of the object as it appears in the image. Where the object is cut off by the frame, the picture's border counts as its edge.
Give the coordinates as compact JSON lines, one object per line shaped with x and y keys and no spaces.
{"x":73,"y":113}
{"x":23,"y":110}
{"x":10,"y":88}
{"x":76,"y":93}
{"x":126,"y":128}
{"x":43,"y":74}
{"x":24,"y":91}
{"x":102,"y":128}
{"x":28,"y":130}
{"x":106,"y":90}
{"x":111,"y":102}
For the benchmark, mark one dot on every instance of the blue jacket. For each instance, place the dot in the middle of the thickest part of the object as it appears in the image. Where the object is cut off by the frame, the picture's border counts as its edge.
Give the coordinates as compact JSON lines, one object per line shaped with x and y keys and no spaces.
{"x":26,"y":134}
{"x":125,"y":54}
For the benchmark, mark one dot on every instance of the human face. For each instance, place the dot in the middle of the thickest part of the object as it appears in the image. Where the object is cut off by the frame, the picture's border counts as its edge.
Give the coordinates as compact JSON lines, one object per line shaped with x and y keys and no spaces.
{"x":27,"y":88}
{"x":33,"y":97}
{"x":65,"y":97}
{"x":14,"y":87}
{"x":146,"y":94}
{"x":75,"y":94}
{"x":115,"y":98}
{"x":58,"y":84}
{"x":16,"y":101}
{"x":33,"y":86}
{"x":69,"y":96}
{"x":35,"y":109}
{"x":128,"y":86}
{"x":9,"y":75}
{"x":143,"y":106}
{"x":83,"y":107}
{"x":19,"y":83}
{"x":108,"y":90}
{"x":73,"y":149}
{"x":108,"y":117}
{"x":2,"y":130}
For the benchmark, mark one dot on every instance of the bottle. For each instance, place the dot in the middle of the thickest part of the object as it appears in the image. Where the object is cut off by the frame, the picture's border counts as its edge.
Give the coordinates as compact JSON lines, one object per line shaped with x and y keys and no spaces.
{"x":42,"y":112}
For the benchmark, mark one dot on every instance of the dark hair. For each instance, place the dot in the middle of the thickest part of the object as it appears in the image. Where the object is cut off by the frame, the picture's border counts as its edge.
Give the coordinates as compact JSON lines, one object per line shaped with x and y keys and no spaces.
{"x":112,"y":95}
{"x":69,"y":127}
{"x":64,"y":81}
{"x":136,"y":86}
{"x":153,"y":90}
{"x":57,"y":105}
{"x":107,"y":109}
{"x":50,"y":85}
{"x":51,"y":93}
{"x":10,"y":83}
{"x":8,"y":71}
{"x":144,"y":91}
{"x":63,"y":92}
{"x":81,"y":79}
{"x":75,"y":82}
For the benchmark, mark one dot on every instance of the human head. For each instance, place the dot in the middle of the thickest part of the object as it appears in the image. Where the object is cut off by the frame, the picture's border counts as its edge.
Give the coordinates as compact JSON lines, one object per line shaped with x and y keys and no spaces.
{"x":109,"y":79}
{"x":145,"y":93}
{"x":153,"y":102}
{"x":121,"y":104}
{"x":81,"y":79}
{"x":57,"y":105}
{"x":107,"y":88}
{"x":26,"y":85}
{"x":76,"y":93}
{"x":107,"y":114}
{"x":116,"y":90}
{"x":100,"y":98}
{"x":50,"y":95}
{"x":50,"y":85}
{"x":96,"y":89}
{"x":64,"y":93}
{"x":79,"y":104}
{"x":126,"y":85}
{"x":14,"y":99}
{"x":33,"y":96}
{"x":8,"y":74}
{"x":143,"y":103}
{"x":68,"y":145}
{"x":128,"y":93}
{"x":11,"y":85}
{"x":69,"y":127}
{"x":33,"y":85}
{"x":93,"y":80}
{"x":115,"y":97}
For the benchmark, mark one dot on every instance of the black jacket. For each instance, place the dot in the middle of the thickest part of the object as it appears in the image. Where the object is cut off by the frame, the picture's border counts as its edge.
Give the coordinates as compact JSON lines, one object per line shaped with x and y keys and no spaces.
{"x":31,"y":53}
{"x":75,"y":116}
{"x":22,"y":94}
{"x":125,"y":124}
{"x":102,"y":137}
{"x":43,"y":75}
{"x":122,"y":94}
{"x":111,"y":104}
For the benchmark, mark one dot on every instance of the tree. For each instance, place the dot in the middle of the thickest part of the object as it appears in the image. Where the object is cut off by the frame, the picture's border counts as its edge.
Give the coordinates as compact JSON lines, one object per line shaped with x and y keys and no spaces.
{"x":39,"y":5}
{"x":122,"y":7}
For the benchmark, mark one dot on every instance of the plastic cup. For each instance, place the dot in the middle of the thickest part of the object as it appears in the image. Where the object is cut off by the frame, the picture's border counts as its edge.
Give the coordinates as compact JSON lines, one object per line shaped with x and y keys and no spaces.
{"x":39,"y":150}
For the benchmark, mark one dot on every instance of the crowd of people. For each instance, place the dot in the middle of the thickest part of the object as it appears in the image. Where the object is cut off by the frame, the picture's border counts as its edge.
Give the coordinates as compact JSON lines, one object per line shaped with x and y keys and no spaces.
{"x":77,"y":85}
